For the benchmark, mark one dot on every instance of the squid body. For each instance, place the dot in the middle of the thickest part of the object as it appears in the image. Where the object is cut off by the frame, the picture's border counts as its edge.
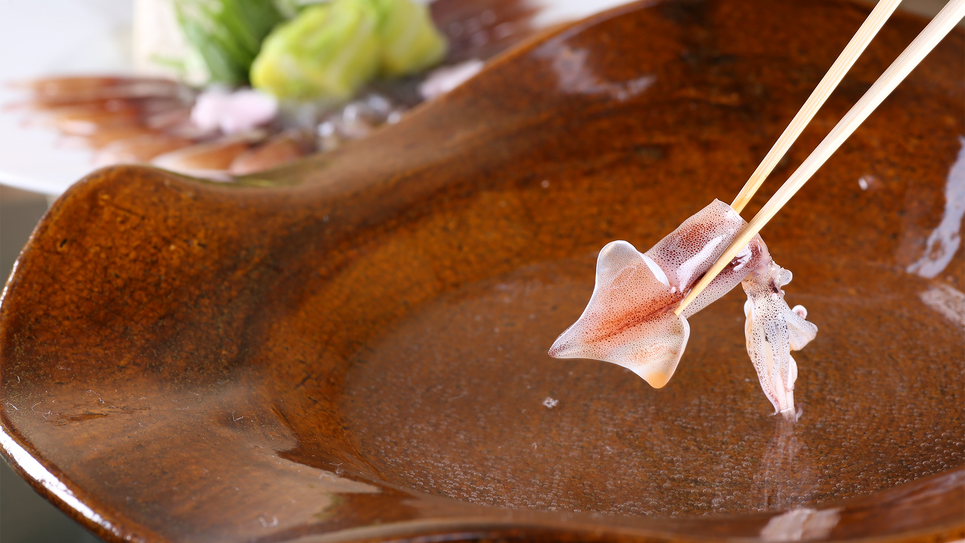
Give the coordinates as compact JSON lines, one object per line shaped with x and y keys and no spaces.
{"x":629,"y":319}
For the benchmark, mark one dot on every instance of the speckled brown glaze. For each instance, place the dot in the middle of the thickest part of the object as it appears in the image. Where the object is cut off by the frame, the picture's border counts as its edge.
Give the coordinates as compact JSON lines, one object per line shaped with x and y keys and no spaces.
{"x":353,"y":348}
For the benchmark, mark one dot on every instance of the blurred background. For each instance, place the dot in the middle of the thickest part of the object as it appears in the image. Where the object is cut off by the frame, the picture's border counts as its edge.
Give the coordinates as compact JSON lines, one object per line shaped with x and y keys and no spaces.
{"x":24,"y":515}
{"x":57,"y":37}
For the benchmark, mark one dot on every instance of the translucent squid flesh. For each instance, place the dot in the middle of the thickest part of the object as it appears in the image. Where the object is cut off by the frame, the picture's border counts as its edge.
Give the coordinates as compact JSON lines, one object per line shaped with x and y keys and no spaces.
{"x":772,"y":331}
{"x":629,"y":320}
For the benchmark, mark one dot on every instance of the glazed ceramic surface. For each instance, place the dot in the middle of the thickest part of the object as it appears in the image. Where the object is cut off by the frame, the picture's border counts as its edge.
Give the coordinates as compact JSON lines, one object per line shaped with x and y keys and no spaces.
{"x":353,"y":348}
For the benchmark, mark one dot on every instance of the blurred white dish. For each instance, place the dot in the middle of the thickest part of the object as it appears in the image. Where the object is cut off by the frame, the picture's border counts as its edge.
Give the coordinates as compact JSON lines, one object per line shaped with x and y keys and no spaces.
{"x":53,"y":37}
{"x":92,"y":37}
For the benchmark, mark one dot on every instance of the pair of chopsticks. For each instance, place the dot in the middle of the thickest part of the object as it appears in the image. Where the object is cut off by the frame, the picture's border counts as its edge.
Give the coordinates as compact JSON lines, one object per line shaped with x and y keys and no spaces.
{"x":937,"y":29}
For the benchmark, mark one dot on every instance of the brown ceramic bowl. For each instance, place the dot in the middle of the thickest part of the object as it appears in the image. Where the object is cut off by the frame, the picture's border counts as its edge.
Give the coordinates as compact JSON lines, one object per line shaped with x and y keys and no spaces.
{"x":353,"y":348}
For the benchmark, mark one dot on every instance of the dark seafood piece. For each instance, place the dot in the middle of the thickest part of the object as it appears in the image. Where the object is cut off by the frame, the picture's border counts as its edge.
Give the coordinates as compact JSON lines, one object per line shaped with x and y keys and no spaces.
{"x":107,"y":135}
{"x":87,"y":119}
{"x":481,"y":29}
{"x":140,"y":149}
{"x":63,"y":91}
{"x":209,"y":159}
{"x":275,"y":151}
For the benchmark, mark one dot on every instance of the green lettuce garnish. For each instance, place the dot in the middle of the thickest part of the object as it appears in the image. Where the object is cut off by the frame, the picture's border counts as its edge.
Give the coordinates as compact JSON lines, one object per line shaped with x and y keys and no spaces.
{"x":410,"y":42}
{"x":329,"y":51}
{"x":227,"y":34}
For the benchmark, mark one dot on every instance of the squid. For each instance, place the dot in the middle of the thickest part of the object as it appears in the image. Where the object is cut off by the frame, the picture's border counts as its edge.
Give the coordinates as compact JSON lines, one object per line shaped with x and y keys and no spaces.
{"x":630,"y":319}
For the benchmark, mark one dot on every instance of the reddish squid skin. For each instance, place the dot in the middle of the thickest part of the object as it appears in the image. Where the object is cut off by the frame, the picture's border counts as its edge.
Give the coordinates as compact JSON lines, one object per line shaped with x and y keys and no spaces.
{"x":629,"y":320}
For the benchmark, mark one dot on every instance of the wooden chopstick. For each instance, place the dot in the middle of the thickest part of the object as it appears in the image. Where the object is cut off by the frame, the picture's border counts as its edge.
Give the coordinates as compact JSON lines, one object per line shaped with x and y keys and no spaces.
{"x":879,"y":15}
{"x":938,"y":28}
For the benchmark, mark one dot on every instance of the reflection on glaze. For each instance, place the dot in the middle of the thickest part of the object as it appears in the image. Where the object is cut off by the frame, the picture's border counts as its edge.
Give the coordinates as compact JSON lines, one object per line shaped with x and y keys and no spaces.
{"x":945,"y":239}
{"x":574,"y":75}
{"x":332,"y":483}
{"x":947,"y":301}
{"x":629,"y":320}
{"x":800,"y":524}
{"x":787,"y":478}
{"x":868,"y":182}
